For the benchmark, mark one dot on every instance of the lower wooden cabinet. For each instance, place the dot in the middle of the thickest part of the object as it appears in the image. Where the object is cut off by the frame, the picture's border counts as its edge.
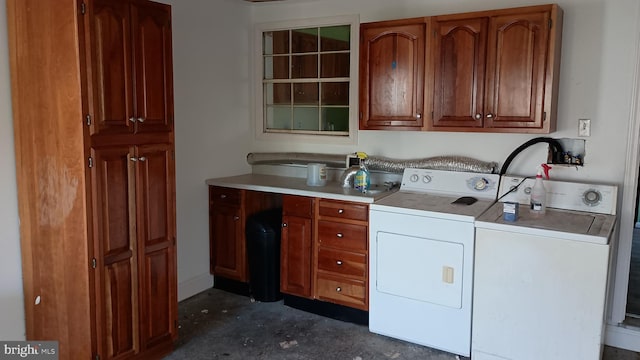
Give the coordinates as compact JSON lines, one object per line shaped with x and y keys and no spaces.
{"x":295,"y":245}
{"x":341,"y":253}
{"x":229,"y":210}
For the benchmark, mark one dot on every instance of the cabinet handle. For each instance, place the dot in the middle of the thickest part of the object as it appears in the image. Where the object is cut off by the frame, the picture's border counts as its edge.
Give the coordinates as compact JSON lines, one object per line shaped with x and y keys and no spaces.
{"x":284,"y":224}
{"x":132,"y":119}
{"x":134,"y":159}
{"x":339,"y":235}
{"x":338,"y":262}
{"x":140,"y":119}
{"x":478,"y":116}
{"x":418,"y":116}
{"x":489,"y":115}
{"x":142,"y":158}
{"x":223,"y":196}
{"x":338,"y":289}
{"x":340,"y":211}
{"x":236,"y":218}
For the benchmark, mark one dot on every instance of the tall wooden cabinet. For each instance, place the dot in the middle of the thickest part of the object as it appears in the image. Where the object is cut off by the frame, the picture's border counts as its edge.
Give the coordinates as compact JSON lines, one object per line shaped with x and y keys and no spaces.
{"x":93,"y":122}
{"x":497,"y":70}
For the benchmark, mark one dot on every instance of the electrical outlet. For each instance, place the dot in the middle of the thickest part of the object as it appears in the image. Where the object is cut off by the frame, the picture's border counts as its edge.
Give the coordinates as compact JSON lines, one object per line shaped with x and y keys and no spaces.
{"x":584,"y":127}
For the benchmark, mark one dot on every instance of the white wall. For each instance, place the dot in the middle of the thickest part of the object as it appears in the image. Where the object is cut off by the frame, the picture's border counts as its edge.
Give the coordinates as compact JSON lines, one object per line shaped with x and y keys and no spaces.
{"x":595,"y":82}
{"x":11,"y":295}
{"x":210,"y":60}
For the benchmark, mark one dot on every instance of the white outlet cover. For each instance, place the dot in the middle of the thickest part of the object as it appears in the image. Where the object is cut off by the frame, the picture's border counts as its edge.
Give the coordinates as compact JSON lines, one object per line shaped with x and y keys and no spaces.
{"x":584,"y":127}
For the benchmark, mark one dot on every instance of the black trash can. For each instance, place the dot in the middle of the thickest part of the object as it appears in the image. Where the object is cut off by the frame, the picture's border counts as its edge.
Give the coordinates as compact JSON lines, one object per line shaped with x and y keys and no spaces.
{"x":263,"y":252}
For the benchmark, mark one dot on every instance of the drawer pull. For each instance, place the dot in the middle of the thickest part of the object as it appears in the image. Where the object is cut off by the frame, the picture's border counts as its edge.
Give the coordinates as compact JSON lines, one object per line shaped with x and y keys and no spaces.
{"x":339,"y":235}
{"x":223,"y":196}
{"x":284,"y":225}
{"x":338,"y":289}
{"x":340,"y":211}
{"x":236,"y":218}
{"x":339,"y":262}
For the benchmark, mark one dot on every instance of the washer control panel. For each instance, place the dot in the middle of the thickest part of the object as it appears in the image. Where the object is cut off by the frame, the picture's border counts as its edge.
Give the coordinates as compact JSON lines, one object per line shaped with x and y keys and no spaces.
{"x":595,"y":198}
{"x":454,"y":183}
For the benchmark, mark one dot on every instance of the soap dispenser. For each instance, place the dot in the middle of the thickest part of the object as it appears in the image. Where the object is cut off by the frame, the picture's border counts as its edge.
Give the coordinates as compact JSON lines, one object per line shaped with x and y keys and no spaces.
{"x":362,"y":180}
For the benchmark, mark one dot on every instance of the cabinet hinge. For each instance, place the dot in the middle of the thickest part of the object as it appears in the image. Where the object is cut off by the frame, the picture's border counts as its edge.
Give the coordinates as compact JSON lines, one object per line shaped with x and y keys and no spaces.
{"x":83,"y":8}
{"x":88,"y":119}
{"x":97,"y":357}
{"x":432,"y":115}
{"x":94,"y":263}
{"x":544,"y":116}
{"x":550,"y":23}
{"x":360,"y":114}
{"x":90,"y":162}
{"x":175,"y":324}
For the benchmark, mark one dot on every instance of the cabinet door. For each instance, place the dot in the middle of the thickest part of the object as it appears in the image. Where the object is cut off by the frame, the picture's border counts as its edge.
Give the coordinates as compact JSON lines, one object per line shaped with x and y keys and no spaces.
{"x":151,"y":30}
{"x":155,"y":199}
{"x":516,"y":70}
{"x":115,"y":248}
{"x":295,"y":256}
{"x":111,"y":68}
{"x":459,"y":62}
{"x":392,"y":63}
{"x":227,"y":255}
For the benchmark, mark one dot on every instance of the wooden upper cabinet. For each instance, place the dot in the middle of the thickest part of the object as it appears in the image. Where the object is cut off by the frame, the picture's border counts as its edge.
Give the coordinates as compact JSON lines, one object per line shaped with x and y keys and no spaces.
{"x":459,"y":60}
{"x":130,"y":67}
{"x":497,"y":71}
{"x":392,"y":74}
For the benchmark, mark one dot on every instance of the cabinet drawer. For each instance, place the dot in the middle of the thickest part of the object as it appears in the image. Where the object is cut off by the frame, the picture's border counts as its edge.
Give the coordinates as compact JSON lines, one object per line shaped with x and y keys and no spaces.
{"x":344,"y":210}
{"x":297,"y":205}
{"x":342,"y":291}
{"x":342,"y":262}
{"x":343,"y":236}
{"x":223,"y":195}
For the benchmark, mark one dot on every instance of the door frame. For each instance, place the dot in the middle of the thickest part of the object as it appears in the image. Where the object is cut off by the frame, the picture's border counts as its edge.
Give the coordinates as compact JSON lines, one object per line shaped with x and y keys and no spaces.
{"x":617,"y":334}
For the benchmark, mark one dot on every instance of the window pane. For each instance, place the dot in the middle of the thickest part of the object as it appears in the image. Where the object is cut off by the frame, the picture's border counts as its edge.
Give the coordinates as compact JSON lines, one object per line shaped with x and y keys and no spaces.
{"x":305,"y":118}
{"x":305,"y":93}
{"x":304,"y":40}
{"x":275,"y":42}
{"x":304,"y":66}
{"x":278,"y":117}
{"x":334,"y":65}
{"x":335,"y":93}
{"x":276,"y":67}
{"x":335,"y":119}
{"x":279,"y":94}
{"x":335,"y":38}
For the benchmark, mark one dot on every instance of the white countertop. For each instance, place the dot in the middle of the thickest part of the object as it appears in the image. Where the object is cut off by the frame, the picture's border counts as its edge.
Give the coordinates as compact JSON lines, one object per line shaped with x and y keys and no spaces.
{"x":297,"y":186}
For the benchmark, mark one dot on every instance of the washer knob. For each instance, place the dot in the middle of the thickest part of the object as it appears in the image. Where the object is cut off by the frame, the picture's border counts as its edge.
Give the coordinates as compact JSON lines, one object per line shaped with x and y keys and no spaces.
{"x":426,"y":179}
{"x":414,"y":178}
{"x":481,"y":184}
{"x":591,"y":197}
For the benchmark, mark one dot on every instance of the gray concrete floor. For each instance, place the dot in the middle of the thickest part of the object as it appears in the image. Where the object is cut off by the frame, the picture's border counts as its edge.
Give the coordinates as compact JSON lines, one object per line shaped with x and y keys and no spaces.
{"x":219,"y":325}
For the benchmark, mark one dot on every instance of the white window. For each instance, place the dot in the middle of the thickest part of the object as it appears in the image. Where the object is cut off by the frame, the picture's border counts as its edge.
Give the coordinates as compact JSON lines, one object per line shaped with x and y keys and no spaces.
{"x":306,"y":83}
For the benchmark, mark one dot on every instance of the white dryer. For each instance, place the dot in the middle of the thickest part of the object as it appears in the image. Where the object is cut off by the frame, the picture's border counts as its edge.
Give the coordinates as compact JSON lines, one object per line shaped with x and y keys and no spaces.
{"x":421,"y":241}
{"x":540,"y":284}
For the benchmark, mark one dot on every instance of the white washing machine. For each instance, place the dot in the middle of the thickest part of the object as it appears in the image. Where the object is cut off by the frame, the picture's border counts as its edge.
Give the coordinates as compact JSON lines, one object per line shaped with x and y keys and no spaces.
{"x":540,"y":283}
{"x":421,"y":245}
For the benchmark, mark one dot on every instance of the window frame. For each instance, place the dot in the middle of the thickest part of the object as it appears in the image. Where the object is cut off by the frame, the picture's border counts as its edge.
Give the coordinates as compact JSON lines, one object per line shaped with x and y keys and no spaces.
{"x":258,"y":76}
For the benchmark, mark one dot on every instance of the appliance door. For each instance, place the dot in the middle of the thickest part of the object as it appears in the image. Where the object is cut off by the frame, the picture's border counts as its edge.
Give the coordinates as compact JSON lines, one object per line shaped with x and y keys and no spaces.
{"x":537,"y":297}
{"x":421,"y":280}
